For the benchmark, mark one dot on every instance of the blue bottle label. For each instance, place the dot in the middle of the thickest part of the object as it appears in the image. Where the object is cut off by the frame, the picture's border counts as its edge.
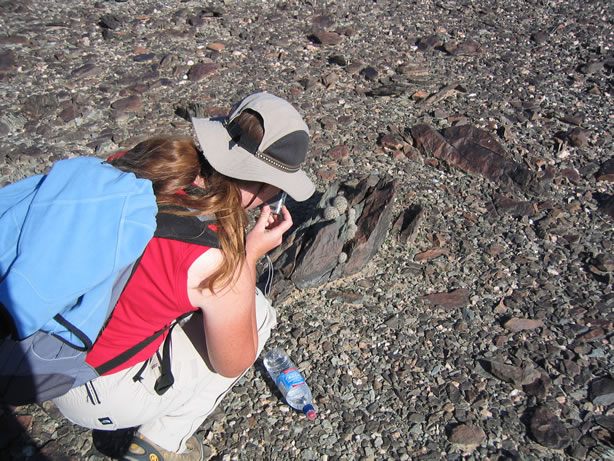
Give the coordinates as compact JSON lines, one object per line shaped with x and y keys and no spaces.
{"x":290,"y":378}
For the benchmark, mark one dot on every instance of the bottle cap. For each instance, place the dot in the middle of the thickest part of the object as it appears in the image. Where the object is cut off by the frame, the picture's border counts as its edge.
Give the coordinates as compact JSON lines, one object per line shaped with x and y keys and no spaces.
{"x":310,"y":412}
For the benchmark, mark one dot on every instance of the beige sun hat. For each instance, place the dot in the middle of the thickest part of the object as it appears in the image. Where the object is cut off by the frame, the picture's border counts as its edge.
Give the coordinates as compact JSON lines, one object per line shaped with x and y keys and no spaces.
{"x":276,"y":160}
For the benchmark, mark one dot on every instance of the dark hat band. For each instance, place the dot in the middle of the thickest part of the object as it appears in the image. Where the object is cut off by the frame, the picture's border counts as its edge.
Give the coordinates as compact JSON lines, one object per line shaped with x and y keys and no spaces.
{"x":244,"y":140}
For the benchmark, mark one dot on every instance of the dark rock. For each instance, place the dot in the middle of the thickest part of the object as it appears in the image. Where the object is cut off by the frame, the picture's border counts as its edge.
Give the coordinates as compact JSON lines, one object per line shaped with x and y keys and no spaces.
{"x":110,"y":21}
{"x":373,"y":225}
{"x":131,"y":103}
{"x":548,"y":430}
{"x":508,"y":207}
{"x":4,"y":129}
{"x":606,"y":421}
{"x":429,"y":43}
{"x":577,"y":137}
{"x":338,"y":59}
{"x":318,"y":251}
{"x":572,"y":119}
{"x":354,"y":67}
{"x":338,"y":152}
{"x":86,"y":71}
{"x":607,"y":205}
{"x":14,"y":40}
{"x":392,"y":142}
{"x":144,"y":57}
{"x":472,"y":150}
{"x":466,"y":48}
{"x":606,"y":172}
{"x":571,"y":174}
{"x":518,"y":324}
{"x":442,"y":94}
{"x":324,"y":21}
{"x":38,"y":106}
{"x":408,"y":222}
{"x":602,"y":391}
{"x":394,"y":89}
{"x":196,"y":21}
{"x":516,"y":375}
{"x":326,"y":38}
{"x":70,"y":112}
{"x":467,"y":434}
{"x":369,"y":73}
{"x":7,"y":61}
{"x":539,"y":388}
{"x":201,"y":70}
{"x":451,"y":300}
{"x":321,"y":257}
{"x":540,"y":37}
{"x":592,"y":67}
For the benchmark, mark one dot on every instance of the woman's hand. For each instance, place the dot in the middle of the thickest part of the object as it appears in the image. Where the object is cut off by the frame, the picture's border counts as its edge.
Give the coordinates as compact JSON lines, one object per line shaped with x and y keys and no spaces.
{"x":267,"y":232}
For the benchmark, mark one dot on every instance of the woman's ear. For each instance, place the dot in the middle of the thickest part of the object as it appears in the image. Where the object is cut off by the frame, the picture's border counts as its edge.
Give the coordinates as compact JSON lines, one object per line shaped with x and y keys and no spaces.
{"x":199,"y":181}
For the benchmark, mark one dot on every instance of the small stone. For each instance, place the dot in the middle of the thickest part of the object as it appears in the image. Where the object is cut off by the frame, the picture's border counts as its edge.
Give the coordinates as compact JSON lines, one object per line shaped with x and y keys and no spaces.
{"x":327,"y":38}
{"x":519,"y":324}
{"x":370,"y":73}
{"x":131,"y":103}
{"x":86,"y":71}
{"x":429,"y":43}
{"x":392,"y":142}
{"x":539,"y":37}
{"x":324,"y":21}
{"x":7,"y":61}
{"x":338,"y":60}
{"x":327,"y":174}
{"x":217,"y":47}
{"x":577,"y":137}
{"x":467,"y":48}
{"x":467,"y":434}
{"x":572,"y":119}
{"x":451,"y":300}
{"x":518,"y":376}
{"x":338,"y":152}
{"x":4,"y":129}
{"x":201,"y":70}
{"x":571,"y":174}
{"x":69,"y":113}
{"x":429,"y":255}
{"x":606,"y":172}
{"x":354,"y":67}
{"x":110,"y":21}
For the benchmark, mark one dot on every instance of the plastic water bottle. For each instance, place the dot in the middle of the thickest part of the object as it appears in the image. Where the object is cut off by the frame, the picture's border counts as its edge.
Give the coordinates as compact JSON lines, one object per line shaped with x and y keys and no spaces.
{"x":289,"y":381}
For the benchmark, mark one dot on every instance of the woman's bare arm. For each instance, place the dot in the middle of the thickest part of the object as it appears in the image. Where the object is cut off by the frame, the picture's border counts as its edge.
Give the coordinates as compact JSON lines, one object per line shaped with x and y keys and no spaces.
{"x":229,"y":313}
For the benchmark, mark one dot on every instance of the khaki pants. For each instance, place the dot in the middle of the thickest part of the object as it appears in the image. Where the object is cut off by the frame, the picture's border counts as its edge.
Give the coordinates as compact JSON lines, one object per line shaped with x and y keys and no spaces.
{"x":117,"y":401}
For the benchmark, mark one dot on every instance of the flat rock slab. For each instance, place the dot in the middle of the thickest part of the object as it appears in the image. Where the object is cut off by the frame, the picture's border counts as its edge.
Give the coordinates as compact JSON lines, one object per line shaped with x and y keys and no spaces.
{"x":472,"y":150}
{"x":467,"y":435}
{"x":451,"y":300}
{"x":602,"y":391}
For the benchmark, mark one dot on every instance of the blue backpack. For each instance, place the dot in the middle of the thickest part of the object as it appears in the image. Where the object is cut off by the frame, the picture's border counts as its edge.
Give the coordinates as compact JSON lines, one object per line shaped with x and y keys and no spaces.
{"x":69,"y":242}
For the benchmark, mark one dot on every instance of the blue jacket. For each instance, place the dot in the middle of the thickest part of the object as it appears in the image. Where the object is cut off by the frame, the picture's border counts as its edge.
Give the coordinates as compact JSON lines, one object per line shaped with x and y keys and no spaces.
{"x":64,"y":239}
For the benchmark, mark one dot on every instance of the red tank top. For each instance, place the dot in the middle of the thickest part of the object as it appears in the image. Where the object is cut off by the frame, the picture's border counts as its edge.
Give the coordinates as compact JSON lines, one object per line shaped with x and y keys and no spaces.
{"x":155,"y":295}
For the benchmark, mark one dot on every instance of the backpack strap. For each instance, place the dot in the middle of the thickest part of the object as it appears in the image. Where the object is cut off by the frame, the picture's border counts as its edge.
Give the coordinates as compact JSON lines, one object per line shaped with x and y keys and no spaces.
{"x":128,"y":354}
{"x":196,"y":230}
{"x":189,"y":229}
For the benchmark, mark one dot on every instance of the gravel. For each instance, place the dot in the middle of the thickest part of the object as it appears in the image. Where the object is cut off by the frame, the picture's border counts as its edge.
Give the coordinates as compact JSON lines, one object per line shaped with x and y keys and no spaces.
{"x":496,"y":341}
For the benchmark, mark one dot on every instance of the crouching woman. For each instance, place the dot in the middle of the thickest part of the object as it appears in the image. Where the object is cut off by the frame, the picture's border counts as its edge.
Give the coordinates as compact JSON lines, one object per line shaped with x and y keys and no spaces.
{"x":247,"y":160}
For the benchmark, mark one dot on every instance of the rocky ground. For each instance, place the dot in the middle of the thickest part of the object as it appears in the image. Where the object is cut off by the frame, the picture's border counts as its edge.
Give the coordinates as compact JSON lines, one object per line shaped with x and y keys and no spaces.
{"x":483,"y":332}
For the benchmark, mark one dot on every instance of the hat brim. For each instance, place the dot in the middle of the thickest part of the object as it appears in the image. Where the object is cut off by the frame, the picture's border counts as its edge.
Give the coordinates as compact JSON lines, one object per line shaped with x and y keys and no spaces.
{"x":229,"y":159}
